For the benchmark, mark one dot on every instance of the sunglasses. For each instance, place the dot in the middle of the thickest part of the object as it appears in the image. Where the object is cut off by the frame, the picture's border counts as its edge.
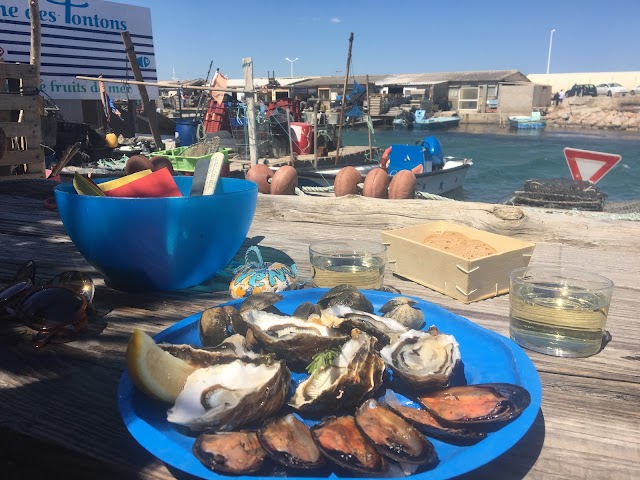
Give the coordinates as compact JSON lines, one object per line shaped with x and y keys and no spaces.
{"x":56,"y":310}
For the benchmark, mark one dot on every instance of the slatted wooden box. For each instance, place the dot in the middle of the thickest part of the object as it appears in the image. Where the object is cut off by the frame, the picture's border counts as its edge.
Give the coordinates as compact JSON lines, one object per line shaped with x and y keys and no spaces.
{"x":20,"y":109}
{"x":458,"y":277}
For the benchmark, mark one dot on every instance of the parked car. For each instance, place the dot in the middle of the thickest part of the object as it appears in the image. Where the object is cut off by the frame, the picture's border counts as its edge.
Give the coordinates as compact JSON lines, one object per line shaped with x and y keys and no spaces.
{"x":581,"y":90}
{"x":611,"y":89}
{"x":635,"y":90}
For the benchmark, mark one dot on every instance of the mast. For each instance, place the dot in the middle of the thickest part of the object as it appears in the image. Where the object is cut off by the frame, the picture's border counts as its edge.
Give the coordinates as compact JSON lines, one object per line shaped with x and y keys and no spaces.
{"x":369,"y":115}
{"x":344,"y":96}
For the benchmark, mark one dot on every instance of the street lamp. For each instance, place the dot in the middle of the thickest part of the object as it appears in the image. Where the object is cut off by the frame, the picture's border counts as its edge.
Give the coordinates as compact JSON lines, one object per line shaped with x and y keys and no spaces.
{"x":549,"y":57}
{"x":288,"y":59}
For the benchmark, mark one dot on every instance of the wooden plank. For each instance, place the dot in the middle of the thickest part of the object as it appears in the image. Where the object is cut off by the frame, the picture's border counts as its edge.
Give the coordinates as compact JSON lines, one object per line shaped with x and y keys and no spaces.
{"x":17,"y":70}
{"x":22,"y":129}
{"x":13,"y":157}
{"x":19,"y":102}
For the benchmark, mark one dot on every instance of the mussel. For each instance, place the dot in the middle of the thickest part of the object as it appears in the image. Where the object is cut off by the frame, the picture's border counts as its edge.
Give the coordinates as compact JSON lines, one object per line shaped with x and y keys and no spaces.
{"x":403,"y":311}
{"x":487,"y":405}
{"x":262,"y":301}
{"x":347,"y":295}
{"x":393,"y":436}
{"x":344,"y":444}
{"x":288,"y":441}
{"x":429,"y":425}
{"x":229,"y":452}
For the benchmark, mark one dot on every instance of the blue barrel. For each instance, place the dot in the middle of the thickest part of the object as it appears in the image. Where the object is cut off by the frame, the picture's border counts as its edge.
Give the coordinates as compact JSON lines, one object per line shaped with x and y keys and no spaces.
{"x":187,"y":130}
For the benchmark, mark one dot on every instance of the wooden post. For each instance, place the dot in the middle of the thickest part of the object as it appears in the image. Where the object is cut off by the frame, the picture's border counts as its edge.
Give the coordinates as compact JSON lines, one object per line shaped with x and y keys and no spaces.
{"x":250,"y":98}
{"x":149,"y":107}
{"x":369,"y":115}
{"x":315,"y":135}
{"x":344,"y":96}
{"x":34,"y":14}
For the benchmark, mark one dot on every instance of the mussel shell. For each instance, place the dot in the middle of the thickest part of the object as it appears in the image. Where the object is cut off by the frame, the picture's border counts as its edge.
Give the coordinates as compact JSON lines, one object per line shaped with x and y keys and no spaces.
{"x":288,"y":441}
{"x":213,"y":326}
{"x":402,"y":310}
{"x":306,"y":310}
{"x":262,"y":301}
{"x":393,"y":436}
{"x":346,"y":295}
{"x":229,"y":452}
{"x":344,"y":444}
{"x":429,"y":425}
{"x":488,"y":405}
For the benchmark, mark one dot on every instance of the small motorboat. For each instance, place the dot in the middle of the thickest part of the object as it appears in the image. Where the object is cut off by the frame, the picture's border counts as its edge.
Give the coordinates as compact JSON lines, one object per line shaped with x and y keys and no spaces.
{"x":533,"y":121}
{"x":423,"y":121}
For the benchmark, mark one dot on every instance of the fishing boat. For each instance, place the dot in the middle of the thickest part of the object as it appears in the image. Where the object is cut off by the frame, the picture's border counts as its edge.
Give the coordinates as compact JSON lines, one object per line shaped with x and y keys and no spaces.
{"x":422,"y":120}
{"x":435,"y":173}
{"x":533,"y":121}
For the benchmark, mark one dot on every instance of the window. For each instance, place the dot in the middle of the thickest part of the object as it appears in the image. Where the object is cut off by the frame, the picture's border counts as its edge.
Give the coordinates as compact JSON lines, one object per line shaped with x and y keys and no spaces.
{"x":492,"y":90}
{"x":468,"y":99}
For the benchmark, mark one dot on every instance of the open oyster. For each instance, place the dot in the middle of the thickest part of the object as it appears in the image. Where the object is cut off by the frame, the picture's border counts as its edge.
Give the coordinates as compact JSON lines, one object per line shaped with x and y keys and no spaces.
{"x":290,"y":338}
{"x":227,"y":396}
{"x":386,"y":330}
{"x":352,"y":376}
{"x":423,"y":359}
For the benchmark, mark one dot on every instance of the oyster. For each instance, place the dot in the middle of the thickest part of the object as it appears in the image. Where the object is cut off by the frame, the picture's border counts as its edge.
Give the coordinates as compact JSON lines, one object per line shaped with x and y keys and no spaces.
{"x":341,"y":441}
{"x":288,"y":441}
{"x":489,"y":404}
{"x":386,"y":330}
{"x":229,"y":452}
{"x":429,"y":425}
{"x":227,"y":396}
{"x":423,"y":359}
{"x":347,"y":295}
{"x":232,"y":348}
{"x":350,"y":378}
{"x":393,"y":436}
{"x":290,"y":338}
{"x":402,"y":310}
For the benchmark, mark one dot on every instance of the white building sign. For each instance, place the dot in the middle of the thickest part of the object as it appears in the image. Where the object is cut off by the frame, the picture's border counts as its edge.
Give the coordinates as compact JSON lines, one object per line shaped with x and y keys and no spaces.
{"x":81,"y":37}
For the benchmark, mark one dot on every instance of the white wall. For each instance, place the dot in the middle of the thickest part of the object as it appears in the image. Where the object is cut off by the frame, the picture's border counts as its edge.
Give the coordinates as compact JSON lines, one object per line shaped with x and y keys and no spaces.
{"x":564,"y":81}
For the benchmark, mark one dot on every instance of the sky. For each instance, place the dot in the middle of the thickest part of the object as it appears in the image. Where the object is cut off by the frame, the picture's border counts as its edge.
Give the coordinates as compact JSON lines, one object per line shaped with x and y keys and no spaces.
{"x":392,"y":36}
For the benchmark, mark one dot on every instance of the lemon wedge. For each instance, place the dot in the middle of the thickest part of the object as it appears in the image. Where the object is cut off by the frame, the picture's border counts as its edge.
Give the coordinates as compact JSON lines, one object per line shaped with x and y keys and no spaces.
{"x":154,"y":371}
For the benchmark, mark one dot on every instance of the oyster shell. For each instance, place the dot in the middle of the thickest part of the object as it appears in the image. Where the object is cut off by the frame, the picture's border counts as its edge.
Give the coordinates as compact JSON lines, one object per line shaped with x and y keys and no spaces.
{"x":343,"y":443}
{"x":288,"y":441}
{"x":232,"y":348}
{"x":226,"y":396}
{"x":423,"y":359}
{"x":229,"y":452}
{"x":489,"y":404}
{"x":262,"y":301}
{"x":290,"y":338}
{"x":352,"y":376}
{"x":429,"y":425}
{"x":386,"y":330}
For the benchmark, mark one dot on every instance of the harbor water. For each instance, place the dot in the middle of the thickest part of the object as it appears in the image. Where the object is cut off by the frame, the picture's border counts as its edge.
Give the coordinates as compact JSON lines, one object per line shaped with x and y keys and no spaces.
{"x":503,"y":159}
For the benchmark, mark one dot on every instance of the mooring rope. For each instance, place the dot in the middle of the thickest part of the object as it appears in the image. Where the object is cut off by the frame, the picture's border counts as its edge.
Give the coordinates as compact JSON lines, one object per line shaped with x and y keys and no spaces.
{"x":329,"y":189}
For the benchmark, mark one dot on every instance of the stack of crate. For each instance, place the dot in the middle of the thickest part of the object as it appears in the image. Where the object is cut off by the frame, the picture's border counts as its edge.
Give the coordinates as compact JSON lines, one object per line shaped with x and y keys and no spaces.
{"x":20,"y":106}
{"x":377,"y":105}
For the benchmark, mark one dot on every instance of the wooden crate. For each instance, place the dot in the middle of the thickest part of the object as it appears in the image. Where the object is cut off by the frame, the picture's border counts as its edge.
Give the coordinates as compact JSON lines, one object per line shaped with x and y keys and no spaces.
{"x":18,"y":87}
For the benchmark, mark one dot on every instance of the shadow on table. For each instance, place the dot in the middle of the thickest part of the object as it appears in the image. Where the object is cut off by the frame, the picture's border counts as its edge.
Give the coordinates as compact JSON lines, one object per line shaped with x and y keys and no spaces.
{"x":518,"y":460}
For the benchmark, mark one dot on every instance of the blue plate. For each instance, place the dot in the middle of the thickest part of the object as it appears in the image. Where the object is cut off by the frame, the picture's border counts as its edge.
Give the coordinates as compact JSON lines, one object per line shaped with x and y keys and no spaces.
{"x":487,"y":358}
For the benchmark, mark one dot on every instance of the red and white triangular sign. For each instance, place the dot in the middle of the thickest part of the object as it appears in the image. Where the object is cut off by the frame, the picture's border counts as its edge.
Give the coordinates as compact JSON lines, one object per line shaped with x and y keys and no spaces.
{"x":588,"y":165}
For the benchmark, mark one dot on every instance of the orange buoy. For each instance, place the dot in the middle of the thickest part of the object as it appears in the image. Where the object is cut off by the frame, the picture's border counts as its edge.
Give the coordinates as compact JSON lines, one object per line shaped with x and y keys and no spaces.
{"x":284,"y":181}
{"x":403,"y":185}
{"x":260,"y":174}
{"x":376,"y":184}
{"x":346,"y":182}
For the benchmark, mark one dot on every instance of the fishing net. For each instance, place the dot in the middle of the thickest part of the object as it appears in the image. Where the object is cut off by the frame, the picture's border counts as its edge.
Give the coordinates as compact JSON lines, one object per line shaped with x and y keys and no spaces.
{"x":560,"y":193}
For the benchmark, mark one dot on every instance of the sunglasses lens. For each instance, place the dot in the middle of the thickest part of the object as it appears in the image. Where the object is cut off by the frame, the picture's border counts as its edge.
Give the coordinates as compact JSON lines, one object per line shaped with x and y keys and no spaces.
{"x":14,"y":292}
{"x":50,"y":307}
{"x":79,"y":282}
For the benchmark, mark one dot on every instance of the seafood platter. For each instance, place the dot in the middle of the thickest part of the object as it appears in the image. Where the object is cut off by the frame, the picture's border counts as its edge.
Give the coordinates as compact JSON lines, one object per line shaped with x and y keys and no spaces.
{"x":317,"y":382}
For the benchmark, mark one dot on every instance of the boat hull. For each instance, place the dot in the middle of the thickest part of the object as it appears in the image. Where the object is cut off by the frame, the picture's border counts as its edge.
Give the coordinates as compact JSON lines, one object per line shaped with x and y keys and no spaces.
{"x":437,"y":182}
{"x":437,"y":123}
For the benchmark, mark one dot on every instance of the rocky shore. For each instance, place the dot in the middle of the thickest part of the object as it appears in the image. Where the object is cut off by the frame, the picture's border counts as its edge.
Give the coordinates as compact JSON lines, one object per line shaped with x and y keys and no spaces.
{"x":601,"y":113}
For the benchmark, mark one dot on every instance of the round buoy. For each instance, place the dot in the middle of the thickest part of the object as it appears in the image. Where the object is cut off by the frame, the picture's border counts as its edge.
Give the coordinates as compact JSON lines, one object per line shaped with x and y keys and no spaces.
{"x":403,"y":185}
{"x":111,"y":140}
{"x":260,"y":174}
{"x":159,"y":162}
{"x":284,"y":181}
{"x":346,"y":182}
{"x":137,"y":163}
{"x":376,"y":183}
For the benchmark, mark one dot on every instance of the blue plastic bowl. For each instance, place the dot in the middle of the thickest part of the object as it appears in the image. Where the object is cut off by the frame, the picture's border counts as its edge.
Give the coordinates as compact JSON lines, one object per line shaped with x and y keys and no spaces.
{"x":159,"y":243}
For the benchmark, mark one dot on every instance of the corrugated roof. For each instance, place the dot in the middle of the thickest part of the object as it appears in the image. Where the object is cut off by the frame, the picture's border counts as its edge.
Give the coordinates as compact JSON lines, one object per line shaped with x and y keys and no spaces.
{"x":472,"y":76}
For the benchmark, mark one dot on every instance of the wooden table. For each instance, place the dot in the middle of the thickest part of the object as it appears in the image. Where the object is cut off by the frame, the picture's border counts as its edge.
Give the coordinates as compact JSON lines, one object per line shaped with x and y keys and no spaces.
{"x":59,"y":410}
